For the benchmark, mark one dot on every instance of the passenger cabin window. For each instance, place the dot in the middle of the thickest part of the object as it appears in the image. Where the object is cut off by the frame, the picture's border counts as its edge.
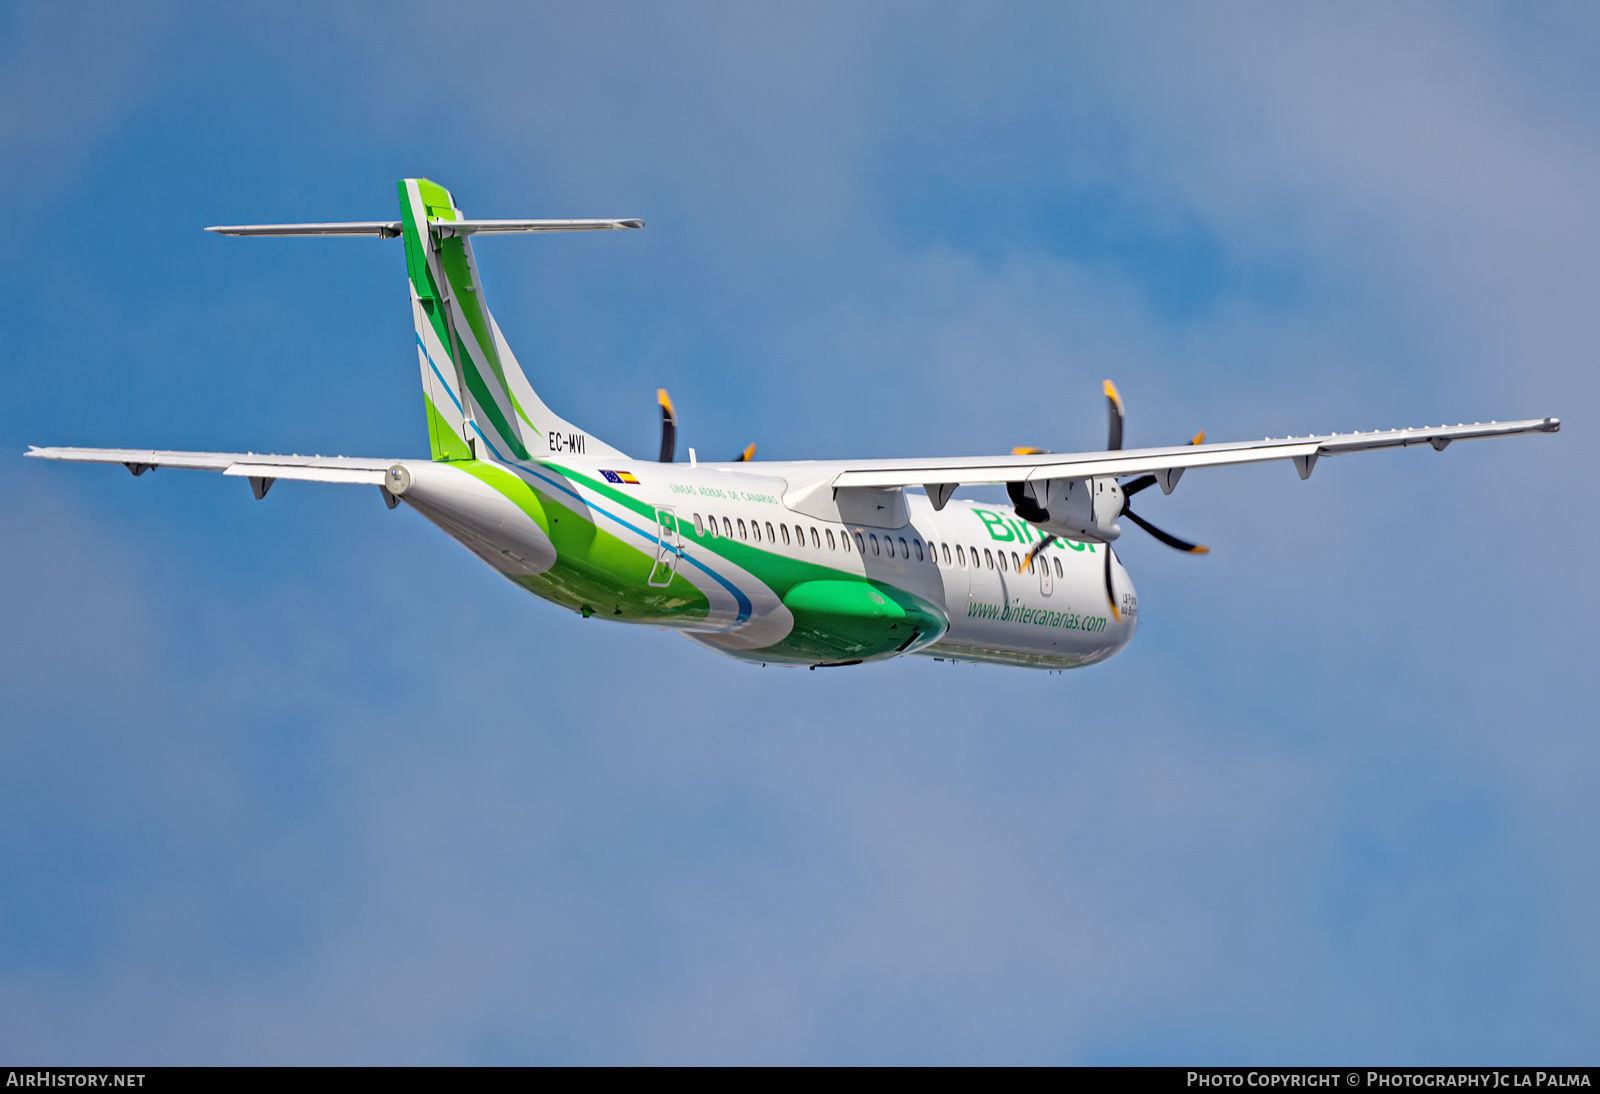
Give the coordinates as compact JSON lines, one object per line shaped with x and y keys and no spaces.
{"x":1016,"y":563}
{"x":831,"y":545}
{"x":784,"y":528}
{"x":905,"y":552}
{"x":873,"y":539}
{"x":755,"y":530}
{"x":988,"y":560}
{"x":816,"y":540}
{"x":727,"y":527}
{"x":770,"y":537}
{"x":699,"y":529}
{"x":742,"y":534}
{"x":945,"y":548}
{"x":961,"y":557}
{"x":917,"y":543}
{"x":1056,"y":562}
{"x":861,"y":544}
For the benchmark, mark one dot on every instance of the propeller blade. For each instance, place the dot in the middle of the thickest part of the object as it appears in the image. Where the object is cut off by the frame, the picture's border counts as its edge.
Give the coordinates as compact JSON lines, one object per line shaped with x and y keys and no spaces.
{"x":1165,"y":537}
{"x":1033,"y":552}
{"x":1133,"y":486}
{"x":747,"y":455}
{"x":1198,"y":438}
{"x":669,"y":426}
{"x":1111,"y":596}
{"x":1114,"y":416}
{"x":1024,"y":450}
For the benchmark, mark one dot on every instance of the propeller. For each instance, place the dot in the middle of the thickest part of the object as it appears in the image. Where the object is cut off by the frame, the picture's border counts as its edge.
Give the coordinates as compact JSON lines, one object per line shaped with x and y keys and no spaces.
{"x":1114,"y":417}
{"x":669,"y":432}
{"x":1030,"y":510}
{"x":1144,"y":482}
{"x":669,"y":426}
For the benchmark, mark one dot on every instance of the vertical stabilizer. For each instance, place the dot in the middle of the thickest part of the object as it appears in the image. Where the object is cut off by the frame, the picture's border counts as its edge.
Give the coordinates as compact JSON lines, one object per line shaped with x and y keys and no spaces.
{"x":479,"y":403}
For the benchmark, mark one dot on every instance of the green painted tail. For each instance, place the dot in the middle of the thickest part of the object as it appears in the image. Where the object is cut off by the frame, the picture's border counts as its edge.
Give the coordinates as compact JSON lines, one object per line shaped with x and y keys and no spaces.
{"x":479,"y":402}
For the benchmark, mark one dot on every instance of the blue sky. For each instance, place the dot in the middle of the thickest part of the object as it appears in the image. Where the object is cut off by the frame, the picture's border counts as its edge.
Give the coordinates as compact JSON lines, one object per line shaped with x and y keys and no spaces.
{"x":302,"y":781}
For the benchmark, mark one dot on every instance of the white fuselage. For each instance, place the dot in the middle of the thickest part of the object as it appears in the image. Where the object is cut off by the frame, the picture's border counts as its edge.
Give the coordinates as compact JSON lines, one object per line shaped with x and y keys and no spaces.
{"x":964,"y":559}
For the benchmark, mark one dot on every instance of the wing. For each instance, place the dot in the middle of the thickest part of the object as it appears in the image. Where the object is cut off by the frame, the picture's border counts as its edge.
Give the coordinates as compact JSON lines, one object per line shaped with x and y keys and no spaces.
{"x":1304,"y":451}
{"x":260,"y":468}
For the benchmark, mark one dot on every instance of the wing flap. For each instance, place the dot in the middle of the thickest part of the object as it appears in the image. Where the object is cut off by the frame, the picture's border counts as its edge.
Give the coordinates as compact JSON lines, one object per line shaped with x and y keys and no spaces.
{"x":306,"y":474}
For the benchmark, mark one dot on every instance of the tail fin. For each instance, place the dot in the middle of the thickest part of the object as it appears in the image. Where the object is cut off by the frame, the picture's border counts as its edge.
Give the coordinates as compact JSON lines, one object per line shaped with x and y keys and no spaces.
{"x":479,"y":403}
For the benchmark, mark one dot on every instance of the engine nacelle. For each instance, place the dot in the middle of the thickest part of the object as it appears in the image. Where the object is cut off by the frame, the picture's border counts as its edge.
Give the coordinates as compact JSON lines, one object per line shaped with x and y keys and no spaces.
{"x":1079,"y":509}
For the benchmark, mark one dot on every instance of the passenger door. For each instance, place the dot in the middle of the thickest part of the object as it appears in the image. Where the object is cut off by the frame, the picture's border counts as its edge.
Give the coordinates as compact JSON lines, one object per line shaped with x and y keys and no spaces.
{"x":669,"y":548}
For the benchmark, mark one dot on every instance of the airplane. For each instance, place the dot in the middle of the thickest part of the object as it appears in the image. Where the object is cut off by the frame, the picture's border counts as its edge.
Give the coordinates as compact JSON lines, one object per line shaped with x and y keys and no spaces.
{"x":821,"y":563}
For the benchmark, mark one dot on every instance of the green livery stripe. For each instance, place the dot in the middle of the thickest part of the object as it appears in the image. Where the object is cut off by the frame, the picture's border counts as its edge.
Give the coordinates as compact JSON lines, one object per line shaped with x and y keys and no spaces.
{"x":453,"y":258}
{"x":454,"y":266}
{"x":514,"y":487}
{"x":837,"y":615}
{"x":778,"y":572}
{"x":598,"y":571}
{"x":445,"y":442}
{"x":594,"y":569}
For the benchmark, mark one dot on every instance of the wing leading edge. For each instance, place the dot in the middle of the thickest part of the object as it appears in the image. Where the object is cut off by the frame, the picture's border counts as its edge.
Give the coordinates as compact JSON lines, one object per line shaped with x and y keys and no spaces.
{"x":1304,"y":451}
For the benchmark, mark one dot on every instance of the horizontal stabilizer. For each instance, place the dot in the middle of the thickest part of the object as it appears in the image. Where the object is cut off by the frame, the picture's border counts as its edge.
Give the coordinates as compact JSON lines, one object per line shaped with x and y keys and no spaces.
{"x":384,"y":229}
{"x":388,"y":229}
{"x":484,"y":227}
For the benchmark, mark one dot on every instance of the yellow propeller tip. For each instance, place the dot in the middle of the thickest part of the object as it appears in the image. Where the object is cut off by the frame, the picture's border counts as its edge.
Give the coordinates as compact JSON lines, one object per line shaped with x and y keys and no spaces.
{"x":747,"y":455}
{"x":1023,"y":450}
{"x":1200,"y":549}
{"x":1198,"y":438}
{"x":664,"y":401}
{"x":1111,"y":393}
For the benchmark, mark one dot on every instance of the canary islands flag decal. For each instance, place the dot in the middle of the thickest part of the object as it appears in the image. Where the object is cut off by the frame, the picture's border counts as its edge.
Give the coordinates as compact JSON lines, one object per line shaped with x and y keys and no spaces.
{"x":620,"y":477}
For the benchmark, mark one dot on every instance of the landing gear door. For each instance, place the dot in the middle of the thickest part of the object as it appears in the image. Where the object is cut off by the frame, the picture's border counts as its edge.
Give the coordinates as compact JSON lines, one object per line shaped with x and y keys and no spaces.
{"x":669,"y":548}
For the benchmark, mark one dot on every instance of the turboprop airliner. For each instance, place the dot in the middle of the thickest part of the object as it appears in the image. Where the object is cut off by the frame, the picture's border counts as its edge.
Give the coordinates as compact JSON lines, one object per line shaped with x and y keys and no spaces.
{"x":816,"y":563}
